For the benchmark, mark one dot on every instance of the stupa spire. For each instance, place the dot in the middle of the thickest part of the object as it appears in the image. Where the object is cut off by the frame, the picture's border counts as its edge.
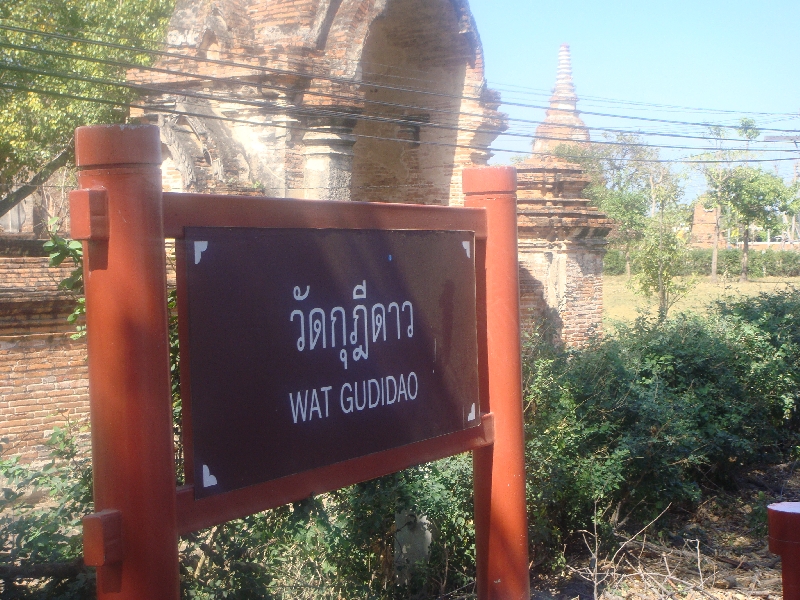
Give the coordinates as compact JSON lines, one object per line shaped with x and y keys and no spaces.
{"x":562,"y":122}
{"x":564,"y":86}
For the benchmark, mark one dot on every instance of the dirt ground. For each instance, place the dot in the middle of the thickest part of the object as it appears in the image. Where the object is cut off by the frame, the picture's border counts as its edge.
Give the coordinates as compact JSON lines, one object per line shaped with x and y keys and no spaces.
{"x":719,"y":551}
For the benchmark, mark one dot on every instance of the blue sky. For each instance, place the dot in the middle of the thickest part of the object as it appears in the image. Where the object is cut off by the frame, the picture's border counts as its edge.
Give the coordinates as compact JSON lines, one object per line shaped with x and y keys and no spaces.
{"x":734,"y":55}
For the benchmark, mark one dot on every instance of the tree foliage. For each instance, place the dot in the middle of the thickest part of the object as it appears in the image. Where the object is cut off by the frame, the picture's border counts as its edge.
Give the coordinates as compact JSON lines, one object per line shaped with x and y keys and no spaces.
{"x":642,"y":195}
{"x":36,"y":128}
{"x":754,"y":197}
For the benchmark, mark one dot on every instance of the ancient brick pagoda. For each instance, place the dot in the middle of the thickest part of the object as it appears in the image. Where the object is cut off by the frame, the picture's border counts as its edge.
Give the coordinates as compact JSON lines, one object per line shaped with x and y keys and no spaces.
{"x":562,"y":239}
{"x":327,"y":99}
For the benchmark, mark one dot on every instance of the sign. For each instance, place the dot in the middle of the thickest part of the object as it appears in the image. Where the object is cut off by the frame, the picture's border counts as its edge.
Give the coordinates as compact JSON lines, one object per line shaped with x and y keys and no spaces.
{"x":309,"y":347}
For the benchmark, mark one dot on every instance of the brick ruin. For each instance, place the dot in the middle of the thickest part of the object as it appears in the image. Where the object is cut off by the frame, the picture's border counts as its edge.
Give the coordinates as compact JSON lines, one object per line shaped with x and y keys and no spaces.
{"x":703,"y":227}
{"x":43,"y":371}
{"x":562,"y":239}
{"x":371,"y":100}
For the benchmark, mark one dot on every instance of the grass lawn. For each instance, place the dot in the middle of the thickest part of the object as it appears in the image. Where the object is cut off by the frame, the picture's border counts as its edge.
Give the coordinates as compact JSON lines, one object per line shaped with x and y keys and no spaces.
{"x":620,"y":303}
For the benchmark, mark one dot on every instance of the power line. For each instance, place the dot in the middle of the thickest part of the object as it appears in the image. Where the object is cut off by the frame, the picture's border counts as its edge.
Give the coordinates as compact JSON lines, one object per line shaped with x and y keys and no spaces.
{"x":521,"y":89}
{"x":358,"y":135}
{"x":314,"y":111}
{"x":234,"y":81}
{"x":645,"y":105}
{"x":342,"y":80}
{"x":512,"y":87}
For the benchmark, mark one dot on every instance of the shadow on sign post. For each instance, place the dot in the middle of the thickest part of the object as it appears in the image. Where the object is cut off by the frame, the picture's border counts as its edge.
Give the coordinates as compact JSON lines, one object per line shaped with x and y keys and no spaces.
{"x":322,"y":344}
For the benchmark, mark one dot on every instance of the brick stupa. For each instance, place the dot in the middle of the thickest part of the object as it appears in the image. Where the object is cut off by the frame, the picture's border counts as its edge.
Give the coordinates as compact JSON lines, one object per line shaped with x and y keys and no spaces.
{"x":562,"y":238}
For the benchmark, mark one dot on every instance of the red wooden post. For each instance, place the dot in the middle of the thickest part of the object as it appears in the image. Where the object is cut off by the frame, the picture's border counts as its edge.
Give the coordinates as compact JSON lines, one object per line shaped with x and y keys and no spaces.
{"x":784,"y":540}
{"x":501,"y":532}
{"x":118,"y":214}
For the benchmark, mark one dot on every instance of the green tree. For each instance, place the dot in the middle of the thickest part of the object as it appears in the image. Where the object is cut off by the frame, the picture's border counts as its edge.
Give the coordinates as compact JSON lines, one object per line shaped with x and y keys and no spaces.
{"x":36,"y":128}
{"x":719,"y":170}
{"x":754,"y":197}
{"x":622,"y":180}
{"x":641,"y":194}
{"x":661,"y":253}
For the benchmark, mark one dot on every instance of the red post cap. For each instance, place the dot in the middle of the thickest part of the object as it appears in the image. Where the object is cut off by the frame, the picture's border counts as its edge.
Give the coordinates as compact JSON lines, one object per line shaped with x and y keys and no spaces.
{"x":784,"y":540}
{"x":117,"y":145}
{"x":488,"y":180}
{"x":784,"y":521}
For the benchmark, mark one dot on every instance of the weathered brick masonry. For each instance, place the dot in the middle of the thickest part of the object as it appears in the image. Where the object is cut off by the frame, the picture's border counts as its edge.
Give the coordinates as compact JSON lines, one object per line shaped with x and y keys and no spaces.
{"x":43,"y":372}
{"x":374,"y":100}
{"x":562,"y":239}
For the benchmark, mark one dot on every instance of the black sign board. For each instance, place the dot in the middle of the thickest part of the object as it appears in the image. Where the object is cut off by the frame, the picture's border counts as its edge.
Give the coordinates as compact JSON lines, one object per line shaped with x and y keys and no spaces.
{"x":309,"y":347}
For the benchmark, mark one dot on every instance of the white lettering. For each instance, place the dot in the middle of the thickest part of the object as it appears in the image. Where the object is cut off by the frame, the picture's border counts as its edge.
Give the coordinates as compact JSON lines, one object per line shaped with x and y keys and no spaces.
{"x":325,"y":390}
{"x":363,"y":395}
{"x":299,"y":406}
{"x":349,"y":408}
{"x":416,"y":386}
{"x":377,"y":393}
{"x":314,"y":405}
{"x":402,"y":388}
{"x":394,"y":393}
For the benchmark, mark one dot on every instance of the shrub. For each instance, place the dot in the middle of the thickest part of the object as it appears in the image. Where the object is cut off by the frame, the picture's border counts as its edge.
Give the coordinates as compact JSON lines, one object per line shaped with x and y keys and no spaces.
{"x":614,"y":262}
{"x":764,"y":263}
{"x":647,"y":416}
{"x":40,"y":530}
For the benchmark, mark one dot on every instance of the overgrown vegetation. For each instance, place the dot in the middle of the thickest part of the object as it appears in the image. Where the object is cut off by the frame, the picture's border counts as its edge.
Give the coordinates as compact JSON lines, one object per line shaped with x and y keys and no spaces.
{"x":653,"y":415}
{"x":766,"y":263}
{"x":656,"y":413}
{"x":51,"y":78}
{"x":648,"y":417}
{"x":40,"y":513}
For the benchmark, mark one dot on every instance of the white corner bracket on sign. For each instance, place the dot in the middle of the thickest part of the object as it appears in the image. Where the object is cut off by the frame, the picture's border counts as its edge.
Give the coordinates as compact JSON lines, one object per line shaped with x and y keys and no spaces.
{"x":199,"y":248}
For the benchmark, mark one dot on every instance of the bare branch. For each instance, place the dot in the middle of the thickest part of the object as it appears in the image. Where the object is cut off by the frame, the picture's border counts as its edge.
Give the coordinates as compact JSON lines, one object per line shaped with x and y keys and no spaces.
{"x":22,"y":192}
{"x":56,"y":570}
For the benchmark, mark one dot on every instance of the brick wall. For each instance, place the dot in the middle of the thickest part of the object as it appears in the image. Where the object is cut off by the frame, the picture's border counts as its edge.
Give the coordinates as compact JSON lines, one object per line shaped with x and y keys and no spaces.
{"x":44,"y":384}
{"x":43,"y":377}
{"x":562,"y":287}
{"x":400,"y":60}
{"x":703,"y":227}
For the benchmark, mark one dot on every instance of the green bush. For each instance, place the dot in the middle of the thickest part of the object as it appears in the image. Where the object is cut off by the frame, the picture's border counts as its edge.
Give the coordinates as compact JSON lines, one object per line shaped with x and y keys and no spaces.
{"x":762,"y":263}
{"x":614,"y":262}
{"x":642,"y":418}
{"x":40,"y":521}
{"x":341,"y":544}
{"x":331,"y":546}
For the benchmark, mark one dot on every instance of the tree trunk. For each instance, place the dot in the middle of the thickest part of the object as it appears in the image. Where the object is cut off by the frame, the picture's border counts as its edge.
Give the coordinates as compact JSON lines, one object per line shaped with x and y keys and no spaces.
{"x":22,"y":192}
{"x":652,"y":197}
{"x":745,"y":252}
{"x":715,"y":247}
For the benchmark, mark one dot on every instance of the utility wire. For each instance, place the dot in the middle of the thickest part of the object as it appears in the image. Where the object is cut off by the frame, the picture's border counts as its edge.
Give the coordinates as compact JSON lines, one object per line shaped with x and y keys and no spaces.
{"x":314,"y":111}
{"x":343,"y":80}
{"x":305,"y":110}
{"x":645,"y":105}
{"x":358,"y":135}
{"x":513,"y":88}
{"x":522,"y":89}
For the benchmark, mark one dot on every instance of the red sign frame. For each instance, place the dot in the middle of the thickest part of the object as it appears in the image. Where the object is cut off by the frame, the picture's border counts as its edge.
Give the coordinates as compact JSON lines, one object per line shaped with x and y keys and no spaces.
{"x":206,"y":210}
{"x":123,"y":218}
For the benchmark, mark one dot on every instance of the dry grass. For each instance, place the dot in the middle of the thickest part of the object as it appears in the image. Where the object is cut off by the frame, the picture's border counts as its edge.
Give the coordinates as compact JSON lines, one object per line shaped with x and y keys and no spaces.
{"x":718,"y":552}
{"x":620,"y":303}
